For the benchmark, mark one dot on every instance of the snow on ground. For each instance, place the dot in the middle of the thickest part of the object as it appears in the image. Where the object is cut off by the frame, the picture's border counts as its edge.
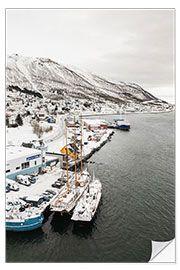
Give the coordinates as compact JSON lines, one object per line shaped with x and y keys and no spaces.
{"x":20,"y":134}
{"x":25,"y":133}
{"x":55,"y":139}
{"x":56,"y":145}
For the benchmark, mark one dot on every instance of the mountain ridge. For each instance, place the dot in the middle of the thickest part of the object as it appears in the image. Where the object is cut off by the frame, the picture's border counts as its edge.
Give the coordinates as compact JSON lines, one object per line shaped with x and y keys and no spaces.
{"x":49,"y":78}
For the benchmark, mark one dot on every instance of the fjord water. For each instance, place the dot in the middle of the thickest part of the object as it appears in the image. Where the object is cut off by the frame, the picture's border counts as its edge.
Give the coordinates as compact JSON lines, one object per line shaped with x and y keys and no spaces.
{"x":137,"y":171}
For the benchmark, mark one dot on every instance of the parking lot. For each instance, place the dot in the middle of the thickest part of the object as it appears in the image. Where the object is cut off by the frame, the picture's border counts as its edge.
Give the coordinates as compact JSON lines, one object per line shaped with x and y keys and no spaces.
{"x":43,"y":183}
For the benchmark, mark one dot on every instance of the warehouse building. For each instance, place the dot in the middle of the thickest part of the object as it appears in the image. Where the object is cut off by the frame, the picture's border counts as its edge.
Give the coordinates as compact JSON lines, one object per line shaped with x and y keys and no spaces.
{"x":22,"y":160}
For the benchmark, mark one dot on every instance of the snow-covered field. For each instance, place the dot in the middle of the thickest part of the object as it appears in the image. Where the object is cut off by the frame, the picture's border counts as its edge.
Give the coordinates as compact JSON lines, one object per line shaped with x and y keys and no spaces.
{"x":55,"y":139}
{"x":25,"y":133}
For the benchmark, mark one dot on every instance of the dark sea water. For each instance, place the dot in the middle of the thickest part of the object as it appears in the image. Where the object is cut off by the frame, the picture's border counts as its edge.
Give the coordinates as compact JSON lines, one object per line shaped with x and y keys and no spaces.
{"x":137,"y":171}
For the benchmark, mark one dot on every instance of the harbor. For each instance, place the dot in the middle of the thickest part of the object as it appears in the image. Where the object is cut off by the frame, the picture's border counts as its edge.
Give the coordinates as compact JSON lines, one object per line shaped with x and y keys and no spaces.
{"x":90,"y":135}
{"x":131,"y":206}
{"x":43,"y":181}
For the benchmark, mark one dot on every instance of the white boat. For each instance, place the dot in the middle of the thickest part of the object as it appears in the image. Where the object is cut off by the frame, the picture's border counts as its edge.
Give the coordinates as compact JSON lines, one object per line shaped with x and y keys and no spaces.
{"x":67,"y":199}
{"x":87,"y":205}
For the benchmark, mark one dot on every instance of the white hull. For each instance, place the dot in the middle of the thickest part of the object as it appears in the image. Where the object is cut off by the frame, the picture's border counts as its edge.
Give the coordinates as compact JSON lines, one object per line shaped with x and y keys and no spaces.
{"x":70,"y":207}
{"x":67,"y":203}
{"x":88,"y":204}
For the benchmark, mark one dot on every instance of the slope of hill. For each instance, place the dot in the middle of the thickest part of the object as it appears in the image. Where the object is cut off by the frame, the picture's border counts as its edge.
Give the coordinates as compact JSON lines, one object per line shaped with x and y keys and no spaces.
{"x":50,"y":78}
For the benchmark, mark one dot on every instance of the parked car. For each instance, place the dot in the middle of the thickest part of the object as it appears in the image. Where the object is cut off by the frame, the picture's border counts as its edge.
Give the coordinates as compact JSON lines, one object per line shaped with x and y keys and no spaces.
{"x":13,"y":186}
{"x":51,"y":191}
{"x":32,"y":179}
{"x":62,"y":179}
{"x":46,"y":199}
{"x":7,"y":189}
{"x":57,"y":185}
{"x":47,"y":194}
{"x":23,"y":179}
{"x":51,"y":120}
{"x":34,"y":174}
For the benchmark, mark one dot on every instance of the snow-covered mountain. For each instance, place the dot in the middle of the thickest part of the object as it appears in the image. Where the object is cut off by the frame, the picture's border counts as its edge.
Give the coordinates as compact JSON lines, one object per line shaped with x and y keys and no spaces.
{"x":50,"y":78}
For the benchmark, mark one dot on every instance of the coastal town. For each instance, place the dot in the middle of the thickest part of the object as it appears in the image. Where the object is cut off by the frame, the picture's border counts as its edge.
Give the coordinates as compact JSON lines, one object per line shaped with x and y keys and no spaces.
{"x":50,"y":138}
{"x":42,"y":174}
{"x":32,"y":108}
{"x":89,"y":135}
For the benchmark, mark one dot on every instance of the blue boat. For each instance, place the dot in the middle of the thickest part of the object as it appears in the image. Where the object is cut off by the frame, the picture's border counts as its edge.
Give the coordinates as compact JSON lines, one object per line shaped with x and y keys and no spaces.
{"x":28,"y":224}
{"x":122,"y":124}
{"x":24,"y":214}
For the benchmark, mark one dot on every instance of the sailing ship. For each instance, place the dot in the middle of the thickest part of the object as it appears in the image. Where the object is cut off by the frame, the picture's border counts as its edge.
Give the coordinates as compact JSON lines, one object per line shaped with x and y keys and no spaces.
{"x":88,"y":204}
{"x":69,"y":195}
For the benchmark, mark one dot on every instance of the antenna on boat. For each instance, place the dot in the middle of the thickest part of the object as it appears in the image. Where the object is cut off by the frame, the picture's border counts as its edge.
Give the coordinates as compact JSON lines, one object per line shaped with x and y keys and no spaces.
{"x":66,"y":155}
{"x":75,"y":152}
{"x":81,"y":144}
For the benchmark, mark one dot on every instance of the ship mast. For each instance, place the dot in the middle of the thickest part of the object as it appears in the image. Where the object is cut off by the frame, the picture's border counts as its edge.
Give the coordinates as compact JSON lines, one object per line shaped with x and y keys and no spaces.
{"x":75,"y":152}
{"x":66,"y":155}
{"x":81,"y":144}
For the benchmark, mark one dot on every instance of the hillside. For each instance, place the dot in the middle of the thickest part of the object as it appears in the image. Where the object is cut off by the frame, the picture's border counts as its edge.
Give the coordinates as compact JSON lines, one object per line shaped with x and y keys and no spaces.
{"x":48,"y":77}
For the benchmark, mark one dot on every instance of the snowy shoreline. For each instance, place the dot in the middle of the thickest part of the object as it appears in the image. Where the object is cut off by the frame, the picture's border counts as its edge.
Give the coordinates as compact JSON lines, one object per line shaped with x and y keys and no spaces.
{"x":126,"y":113}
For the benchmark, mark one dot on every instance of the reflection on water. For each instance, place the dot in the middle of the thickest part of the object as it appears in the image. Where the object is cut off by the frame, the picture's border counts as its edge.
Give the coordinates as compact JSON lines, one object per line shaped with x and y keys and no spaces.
{"x":82,"y":229}
{"x":60,"y":223}
{"x":25,"y":237}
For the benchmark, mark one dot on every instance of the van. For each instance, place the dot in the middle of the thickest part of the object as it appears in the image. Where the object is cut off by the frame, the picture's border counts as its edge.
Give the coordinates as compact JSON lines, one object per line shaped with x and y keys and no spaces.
{"x":23,"y":179}
{"x":13,"y":186}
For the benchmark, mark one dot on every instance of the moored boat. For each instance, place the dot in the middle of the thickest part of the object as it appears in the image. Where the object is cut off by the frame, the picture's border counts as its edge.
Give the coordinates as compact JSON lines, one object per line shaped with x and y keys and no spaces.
{"x":28,"y":224}
{"x":87,"y":205}
{"x":68,"y":197}
{"x":122,"y":124}
{"x":23,"y":218}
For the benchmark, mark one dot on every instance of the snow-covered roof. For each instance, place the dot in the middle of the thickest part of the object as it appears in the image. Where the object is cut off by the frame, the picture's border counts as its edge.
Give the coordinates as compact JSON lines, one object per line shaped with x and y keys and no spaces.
{"x":34,"y":198}
{"x":95,"y":121}
{"x":14,"y":152}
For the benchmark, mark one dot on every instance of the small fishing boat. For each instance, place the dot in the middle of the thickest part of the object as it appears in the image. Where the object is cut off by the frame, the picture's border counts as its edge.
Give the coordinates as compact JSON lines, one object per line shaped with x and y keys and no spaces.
{"x":27,"y":224}
{"x":122,"y":124}
{"x":87,"y":205}
{"x":20,"y":217}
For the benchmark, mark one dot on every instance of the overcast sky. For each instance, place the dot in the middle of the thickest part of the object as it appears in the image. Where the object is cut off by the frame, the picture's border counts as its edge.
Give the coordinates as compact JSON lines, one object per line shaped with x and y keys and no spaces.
{"x":127,"y":45}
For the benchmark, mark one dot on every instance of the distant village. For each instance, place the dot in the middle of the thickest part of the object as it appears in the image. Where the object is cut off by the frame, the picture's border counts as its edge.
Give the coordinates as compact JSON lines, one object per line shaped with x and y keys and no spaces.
{"x":22,"y":107}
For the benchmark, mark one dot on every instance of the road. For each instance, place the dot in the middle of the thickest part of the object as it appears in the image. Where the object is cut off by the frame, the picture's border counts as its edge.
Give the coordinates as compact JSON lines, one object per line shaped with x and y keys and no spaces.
{"x":57,"y":140}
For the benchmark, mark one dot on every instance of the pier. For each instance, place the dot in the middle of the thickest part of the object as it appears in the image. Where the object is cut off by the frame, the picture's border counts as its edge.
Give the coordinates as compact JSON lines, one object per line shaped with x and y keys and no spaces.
{"x":90,"y":150}
{"x":54,"y":170}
